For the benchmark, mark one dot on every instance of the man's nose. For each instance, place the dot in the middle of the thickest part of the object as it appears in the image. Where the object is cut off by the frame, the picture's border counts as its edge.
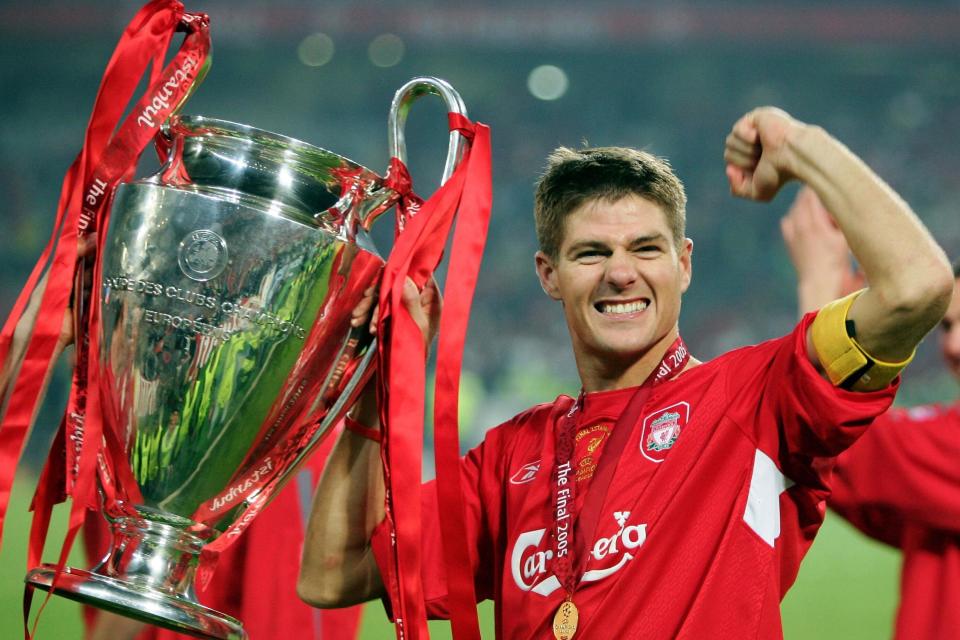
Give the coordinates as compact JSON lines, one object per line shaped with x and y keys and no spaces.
{"x":621,"y":270}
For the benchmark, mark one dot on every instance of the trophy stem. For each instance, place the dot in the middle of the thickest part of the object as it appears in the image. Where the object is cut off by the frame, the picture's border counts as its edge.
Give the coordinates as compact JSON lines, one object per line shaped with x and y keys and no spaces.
{"x":148,"y":575}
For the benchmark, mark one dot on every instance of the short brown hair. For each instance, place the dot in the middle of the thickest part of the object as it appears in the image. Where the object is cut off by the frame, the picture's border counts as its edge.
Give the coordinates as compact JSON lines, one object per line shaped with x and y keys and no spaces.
{"x":575,"y":176}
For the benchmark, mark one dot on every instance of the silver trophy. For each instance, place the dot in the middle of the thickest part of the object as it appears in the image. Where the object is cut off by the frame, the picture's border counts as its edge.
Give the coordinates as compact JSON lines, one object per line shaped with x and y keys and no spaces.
{"x":226,"y":351}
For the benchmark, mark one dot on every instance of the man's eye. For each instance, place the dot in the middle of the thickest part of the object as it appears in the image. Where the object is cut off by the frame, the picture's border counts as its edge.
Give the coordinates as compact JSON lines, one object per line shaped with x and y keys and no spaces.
{"x":590,"y":254}
{"x":649,"y":248}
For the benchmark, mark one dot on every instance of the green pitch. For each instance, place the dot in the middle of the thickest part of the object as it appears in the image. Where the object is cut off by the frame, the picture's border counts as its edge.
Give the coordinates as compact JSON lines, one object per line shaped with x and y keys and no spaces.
{"x":847,"y":588}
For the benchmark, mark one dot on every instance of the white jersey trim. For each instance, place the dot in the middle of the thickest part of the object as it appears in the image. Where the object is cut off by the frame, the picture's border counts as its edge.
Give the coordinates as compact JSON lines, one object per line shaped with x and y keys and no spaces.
{"x":763,"y":502}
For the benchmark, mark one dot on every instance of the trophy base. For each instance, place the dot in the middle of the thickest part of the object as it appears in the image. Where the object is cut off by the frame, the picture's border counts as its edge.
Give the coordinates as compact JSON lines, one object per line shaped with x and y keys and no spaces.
{"x":140,"y":603}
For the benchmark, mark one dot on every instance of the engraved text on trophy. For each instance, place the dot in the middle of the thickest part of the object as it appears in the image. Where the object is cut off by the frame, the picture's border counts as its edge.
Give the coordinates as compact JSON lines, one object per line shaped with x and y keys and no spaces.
{"x":224,"y":318}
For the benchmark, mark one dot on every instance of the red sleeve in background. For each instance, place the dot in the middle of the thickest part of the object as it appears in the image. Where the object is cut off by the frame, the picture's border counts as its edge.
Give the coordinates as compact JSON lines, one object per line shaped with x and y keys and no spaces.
{"x":906,"y":469}
{"x":270,"y":606}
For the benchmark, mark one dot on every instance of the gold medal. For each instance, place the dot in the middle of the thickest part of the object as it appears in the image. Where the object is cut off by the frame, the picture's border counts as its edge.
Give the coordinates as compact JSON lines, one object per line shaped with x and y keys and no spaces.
{"x":565,"y":620}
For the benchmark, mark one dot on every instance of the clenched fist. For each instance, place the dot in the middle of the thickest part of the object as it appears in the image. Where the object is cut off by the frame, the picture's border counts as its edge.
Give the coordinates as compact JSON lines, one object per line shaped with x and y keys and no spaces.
{"x":758,"y":153}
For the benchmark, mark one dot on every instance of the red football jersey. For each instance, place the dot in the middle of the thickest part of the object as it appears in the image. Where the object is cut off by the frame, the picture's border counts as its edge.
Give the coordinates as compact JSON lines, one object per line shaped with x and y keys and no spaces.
{"x":715,"y":500}
{"x":900,"y":484}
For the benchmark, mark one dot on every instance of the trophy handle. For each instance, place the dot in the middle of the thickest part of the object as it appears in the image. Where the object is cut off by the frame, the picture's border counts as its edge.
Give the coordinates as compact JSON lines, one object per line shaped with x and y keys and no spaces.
{"x":400,"y":107}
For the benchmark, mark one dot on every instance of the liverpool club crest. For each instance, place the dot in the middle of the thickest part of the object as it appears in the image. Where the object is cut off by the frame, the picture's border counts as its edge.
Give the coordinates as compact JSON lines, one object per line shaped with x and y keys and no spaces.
{"x":661,"y":430}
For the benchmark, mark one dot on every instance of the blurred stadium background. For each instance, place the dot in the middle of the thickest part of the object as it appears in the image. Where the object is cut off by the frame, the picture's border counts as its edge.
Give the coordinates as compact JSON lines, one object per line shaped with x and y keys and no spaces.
{"x":671,"y":77}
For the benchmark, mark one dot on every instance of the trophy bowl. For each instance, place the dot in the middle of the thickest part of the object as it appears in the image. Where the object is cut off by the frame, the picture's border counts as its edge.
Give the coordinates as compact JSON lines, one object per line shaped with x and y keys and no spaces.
{"x":226,"y":352}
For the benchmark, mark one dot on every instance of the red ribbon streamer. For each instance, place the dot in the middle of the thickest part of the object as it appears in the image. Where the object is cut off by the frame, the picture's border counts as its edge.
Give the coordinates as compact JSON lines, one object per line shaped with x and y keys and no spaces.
{"x":416,"y":254}
{"x":105,"y":159}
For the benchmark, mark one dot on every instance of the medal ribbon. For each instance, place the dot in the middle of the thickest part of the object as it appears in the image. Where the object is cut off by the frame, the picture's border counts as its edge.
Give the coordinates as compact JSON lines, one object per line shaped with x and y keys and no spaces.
{"x":402,"y":363}
{"x":566,"y":563}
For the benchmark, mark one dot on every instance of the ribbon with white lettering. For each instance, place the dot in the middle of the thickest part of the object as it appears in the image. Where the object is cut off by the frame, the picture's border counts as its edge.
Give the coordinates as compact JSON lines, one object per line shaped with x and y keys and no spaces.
{"x":108,"y":156}
{"x":417,"y":251}
{"x":567,"y":525}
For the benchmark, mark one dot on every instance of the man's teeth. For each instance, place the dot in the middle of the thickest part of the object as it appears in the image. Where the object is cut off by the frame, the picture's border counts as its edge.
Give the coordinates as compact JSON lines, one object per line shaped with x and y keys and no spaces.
{"x":624,"y":307}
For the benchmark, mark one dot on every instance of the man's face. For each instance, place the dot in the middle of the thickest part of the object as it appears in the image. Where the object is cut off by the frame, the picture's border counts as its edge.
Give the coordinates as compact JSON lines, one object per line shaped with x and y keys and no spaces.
{"x":620,"y":277}
{"x":950,"y":333}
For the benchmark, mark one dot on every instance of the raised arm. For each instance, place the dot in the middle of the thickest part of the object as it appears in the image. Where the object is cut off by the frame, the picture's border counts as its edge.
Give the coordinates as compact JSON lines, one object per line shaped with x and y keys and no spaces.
{"x":910,"y":280}
{"x":338,"y":567}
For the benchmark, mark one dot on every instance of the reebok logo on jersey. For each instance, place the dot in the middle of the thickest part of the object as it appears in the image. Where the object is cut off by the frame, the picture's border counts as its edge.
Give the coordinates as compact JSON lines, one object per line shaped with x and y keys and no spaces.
{"x":530,"y":557}
{"x":661,"y":430}
{"x":526,"y":473}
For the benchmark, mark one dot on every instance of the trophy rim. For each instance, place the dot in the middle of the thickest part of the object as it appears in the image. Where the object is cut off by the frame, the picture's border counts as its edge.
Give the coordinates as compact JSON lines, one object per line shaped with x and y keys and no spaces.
{"x":217,"y":126}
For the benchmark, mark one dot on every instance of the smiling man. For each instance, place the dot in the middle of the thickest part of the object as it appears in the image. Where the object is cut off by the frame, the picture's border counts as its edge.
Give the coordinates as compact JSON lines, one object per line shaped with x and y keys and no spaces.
{"x":670,"y":498}
{"x":615,"y":254}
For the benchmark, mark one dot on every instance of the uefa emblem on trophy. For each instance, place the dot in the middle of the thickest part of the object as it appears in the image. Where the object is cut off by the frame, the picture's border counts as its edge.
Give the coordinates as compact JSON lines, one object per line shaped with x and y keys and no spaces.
{"x":225,"y":346}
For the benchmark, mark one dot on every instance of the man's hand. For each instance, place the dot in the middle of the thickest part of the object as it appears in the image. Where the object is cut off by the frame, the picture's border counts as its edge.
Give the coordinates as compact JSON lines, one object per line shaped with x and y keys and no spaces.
{"x":758,"y":162}
{"x":819,"y":253}
{"x":424,"y":306}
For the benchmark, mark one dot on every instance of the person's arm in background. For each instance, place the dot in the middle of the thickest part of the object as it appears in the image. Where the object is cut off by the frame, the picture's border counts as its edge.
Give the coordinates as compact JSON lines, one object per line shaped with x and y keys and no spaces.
{"x":24,"y":328}
{"x":338,"y":567}
{"x":910,"y":281}
{"x":819,"y":253}
{"x":906,"y":468}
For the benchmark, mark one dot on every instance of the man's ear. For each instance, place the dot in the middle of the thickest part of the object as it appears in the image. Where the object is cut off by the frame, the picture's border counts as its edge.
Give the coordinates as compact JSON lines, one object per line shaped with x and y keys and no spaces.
{"x":547,"y":272}
{"x":686,"y":264}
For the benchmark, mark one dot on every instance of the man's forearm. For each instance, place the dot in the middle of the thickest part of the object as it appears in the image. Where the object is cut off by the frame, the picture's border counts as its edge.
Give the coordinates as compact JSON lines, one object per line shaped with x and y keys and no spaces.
{"x":909,"y":275}
{"x":338,"y":567}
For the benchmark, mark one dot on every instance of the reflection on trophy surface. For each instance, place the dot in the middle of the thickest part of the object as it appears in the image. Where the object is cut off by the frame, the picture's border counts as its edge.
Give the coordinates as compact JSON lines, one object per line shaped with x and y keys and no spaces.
{"x":226,"y":351}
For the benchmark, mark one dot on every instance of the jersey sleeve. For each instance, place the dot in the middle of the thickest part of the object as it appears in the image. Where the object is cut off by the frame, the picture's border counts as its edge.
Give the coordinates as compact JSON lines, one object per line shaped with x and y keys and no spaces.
{"x":906,"y":469}
{"x":481,"y":514}
{"x":795,"y":415}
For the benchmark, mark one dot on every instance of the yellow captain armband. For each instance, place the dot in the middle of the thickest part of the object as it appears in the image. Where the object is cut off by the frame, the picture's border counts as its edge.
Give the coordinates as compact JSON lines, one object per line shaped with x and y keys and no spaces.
{"x":845,"y":362}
